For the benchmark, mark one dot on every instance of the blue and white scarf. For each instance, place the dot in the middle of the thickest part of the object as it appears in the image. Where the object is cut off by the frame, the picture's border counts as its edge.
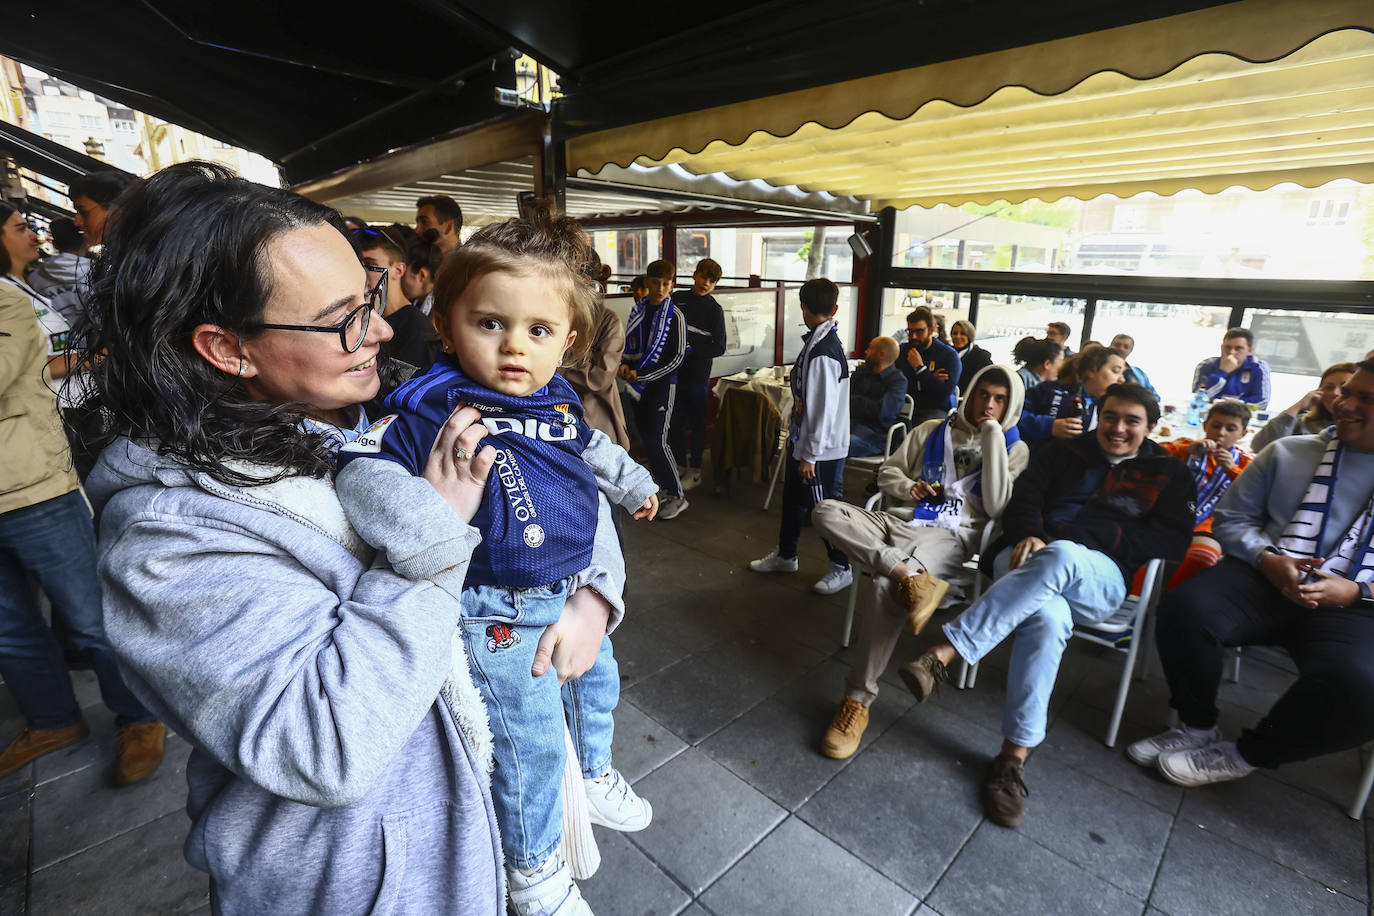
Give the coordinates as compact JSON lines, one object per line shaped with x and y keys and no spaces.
{"x":644,"y":345}
{"x":337,"y":435}
{"x":1303,"y":537}
{"x":936,"y":453}
{"x":1210,"y":489}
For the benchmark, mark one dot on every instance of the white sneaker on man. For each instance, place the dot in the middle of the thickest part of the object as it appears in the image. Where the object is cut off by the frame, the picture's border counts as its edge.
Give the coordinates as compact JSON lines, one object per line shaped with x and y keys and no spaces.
{"x":838,"y":579}
{"x":612,"y":803}
{"x":548,"y":890}
{"x":691,"y":477}
{"x":672,"y":507}
{"x":1202,"y":766}
{"x":774,"y":563}
{"x":1147,"y":751}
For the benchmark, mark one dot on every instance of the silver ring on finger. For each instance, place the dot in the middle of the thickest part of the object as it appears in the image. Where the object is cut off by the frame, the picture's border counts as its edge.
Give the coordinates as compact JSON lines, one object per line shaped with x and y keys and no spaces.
{"x":460,"y":453}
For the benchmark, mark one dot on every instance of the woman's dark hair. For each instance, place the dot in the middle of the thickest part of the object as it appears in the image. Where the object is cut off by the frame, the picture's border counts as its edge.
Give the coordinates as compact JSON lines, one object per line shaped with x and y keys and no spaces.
{"x":7,"y":210}
{"x":1035,"y":351}
{"x":185,"y":248}
{"x":1084,"y":361}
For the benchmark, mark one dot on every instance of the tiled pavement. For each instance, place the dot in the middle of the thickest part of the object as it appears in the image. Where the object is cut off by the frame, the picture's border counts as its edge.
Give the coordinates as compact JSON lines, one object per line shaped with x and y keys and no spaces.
{"x":729,"y":678}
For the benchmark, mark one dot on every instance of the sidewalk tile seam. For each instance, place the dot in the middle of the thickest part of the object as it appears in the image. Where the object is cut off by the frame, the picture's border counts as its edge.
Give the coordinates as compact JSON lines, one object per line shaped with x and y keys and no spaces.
{"x":85,"y":849}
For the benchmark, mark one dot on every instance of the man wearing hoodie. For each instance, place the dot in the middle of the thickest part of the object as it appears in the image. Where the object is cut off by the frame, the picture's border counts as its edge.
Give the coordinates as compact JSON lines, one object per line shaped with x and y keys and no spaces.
{"x":61,"y":276}
{"x":1087,"y":513}
{"x":948,"y":479}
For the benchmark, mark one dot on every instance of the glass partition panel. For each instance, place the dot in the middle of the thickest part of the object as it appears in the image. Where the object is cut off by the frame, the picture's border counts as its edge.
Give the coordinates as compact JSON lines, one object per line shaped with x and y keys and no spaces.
{"x":628,"y":251}
{"x":898,"y":303}
{"x":1170,"y":340}
{"x":794,"y":327}
{"x":750,"y":330}
{"x":1005,"y":319}
{"x":1298,"y":346}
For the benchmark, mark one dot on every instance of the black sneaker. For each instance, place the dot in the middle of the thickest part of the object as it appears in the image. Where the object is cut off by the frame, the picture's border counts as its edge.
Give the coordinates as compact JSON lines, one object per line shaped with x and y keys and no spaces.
{"x":1004,"y":785}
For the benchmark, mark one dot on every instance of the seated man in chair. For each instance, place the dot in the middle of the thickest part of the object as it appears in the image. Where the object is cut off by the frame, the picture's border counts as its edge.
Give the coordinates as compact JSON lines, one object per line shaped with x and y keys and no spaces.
{"x":1087,"y":513}
{"x":949,"y":477}
{"x":1297,"y":528}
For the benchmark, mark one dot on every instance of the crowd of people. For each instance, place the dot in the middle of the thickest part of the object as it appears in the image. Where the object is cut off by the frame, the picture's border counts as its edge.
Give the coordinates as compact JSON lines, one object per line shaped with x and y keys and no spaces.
{"x":354,"y":515}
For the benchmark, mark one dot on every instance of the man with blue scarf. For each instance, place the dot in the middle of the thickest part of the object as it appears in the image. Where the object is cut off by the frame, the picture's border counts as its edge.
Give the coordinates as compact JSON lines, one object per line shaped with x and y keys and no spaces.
{"x":971,"y":458}
{"x":655,"y":345}
{"x":1298,"y":531}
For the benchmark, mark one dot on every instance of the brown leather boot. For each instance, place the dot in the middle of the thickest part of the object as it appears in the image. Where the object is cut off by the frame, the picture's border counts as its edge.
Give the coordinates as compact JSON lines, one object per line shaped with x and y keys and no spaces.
{"x":920,"y":594}
{"x":140,"y":751}
{"x":33,"y":743}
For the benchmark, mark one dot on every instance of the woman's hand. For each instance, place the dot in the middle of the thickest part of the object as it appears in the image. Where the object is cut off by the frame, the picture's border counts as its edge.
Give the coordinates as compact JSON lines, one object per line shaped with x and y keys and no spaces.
{"x":458,"y":463}
{"x":1305,"y":402}
{"x":649,"y":509}
{"x":573,"y":643}
{"x":1066,"y":427}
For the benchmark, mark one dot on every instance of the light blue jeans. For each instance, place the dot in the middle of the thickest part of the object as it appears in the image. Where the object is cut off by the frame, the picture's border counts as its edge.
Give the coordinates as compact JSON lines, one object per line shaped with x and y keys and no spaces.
{"x":1060,"y":585}
{"x":501,"y":629}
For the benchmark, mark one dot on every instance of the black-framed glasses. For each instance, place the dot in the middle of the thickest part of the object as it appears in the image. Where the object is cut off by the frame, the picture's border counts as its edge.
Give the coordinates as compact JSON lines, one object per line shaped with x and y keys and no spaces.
{"x":352,"y":330}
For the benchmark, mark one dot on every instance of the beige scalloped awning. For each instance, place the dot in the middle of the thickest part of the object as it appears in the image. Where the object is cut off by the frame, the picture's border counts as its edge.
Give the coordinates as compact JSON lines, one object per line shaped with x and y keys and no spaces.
{"x":1252,"y":93}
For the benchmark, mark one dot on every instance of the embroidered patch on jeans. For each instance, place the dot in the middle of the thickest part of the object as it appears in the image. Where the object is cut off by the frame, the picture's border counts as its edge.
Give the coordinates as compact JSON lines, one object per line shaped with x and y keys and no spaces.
{"x":500,"y":636}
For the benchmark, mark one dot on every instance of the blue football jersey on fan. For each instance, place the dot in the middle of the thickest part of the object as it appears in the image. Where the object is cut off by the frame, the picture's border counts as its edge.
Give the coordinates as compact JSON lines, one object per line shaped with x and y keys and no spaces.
{"x":538,"y":517}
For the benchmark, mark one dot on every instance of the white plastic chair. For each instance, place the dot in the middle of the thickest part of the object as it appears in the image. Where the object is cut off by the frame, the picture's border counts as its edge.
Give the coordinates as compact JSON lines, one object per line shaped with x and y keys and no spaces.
{"x":873,"y":462}
{"x":1133,"y":616}
{"x":974,"y":579}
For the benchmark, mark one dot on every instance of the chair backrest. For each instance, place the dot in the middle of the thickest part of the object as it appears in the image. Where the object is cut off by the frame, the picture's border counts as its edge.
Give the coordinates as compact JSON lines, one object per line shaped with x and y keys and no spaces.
{"x":908,"y":408}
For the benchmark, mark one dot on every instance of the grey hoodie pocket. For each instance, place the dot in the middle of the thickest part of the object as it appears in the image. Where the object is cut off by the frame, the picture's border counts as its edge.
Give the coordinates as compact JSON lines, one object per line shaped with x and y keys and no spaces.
{"x":394,"y":842}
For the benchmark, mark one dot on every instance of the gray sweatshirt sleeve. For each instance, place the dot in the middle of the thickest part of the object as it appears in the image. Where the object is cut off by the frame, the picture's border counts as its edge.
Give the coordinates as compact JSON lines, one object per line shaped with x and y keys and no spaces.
{"x":301,"y":690}
{"x":625,"y":482}
{"x":606,"y":574}
{"x":1243,"y":511}
{"x":1281,"y":425}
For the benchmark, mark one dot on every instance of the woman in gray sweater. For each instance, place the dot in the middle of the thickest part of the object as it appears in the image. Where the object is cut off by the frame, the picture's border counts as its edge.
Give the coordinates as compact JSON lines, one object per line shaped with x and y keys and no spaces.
{"x":340,"y":750}
{"x":1311,"y":414}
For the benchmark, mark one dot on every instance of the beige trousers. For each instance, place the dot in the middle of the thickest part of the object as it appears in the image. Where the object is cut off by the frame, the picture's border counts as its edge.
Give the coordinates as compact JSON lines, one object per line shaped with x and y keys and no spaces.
{"x":880,"y":541}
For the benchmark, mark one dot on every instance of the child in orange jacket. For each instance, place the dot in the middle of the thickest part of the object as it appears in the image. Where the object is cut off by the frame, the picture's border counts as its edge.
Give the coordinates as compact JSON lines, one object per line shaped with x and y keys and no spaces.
{"x":1215,"y":461}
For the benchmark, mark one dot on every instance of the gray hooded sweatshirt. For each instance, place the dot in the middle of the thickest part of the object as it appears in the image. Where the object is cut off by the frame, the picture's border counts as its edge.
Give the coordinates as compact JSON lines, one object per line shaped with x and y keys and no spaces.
{"x":341,"y":750}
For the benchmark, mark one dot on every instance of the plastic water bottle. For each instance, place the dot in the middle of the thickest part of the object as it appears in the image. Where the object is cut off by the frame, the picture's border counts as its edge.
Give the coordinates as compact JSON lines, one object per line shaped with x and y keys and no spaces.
{"x":1195,"y":408}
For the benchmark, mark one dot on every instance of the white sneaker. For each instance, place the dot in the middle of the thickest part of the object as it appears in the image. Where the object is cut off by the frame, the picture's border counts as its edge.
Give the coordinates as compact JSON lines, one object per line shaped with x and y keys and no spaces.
{"x":1202,"y":766}
{"x":691,"y":477}
{"x":672,"y":507}
{"x":774,"y":563}
{"x":1146,"y":751}
{"x":549,"y":890}
{"x":838,"y":579}
{"x":614,"y":804}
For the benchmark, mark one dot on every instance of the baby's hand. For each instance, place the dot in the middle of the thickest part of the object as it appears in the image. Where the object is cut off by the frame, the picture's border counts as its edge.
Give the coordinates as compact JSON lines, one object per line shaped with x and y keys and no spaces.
{"x":649,"y":509}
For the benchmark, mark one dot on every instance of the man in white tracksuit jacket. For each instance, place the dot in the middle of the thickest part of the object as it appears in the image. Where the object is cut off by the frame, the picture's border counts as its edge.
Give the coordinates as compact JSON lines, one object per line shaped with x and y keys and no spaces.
{"x":818,"y":436}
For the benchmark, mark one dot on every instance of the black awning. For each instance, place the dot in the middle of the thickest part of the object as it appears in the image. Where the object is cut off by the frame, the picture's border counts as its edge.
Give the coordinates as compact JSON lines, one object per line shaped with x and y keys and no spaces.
{"x":41,"y":155}
{"x":620,"y":68}
{"x":311,"y":85}
{"x":317,"y":86}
